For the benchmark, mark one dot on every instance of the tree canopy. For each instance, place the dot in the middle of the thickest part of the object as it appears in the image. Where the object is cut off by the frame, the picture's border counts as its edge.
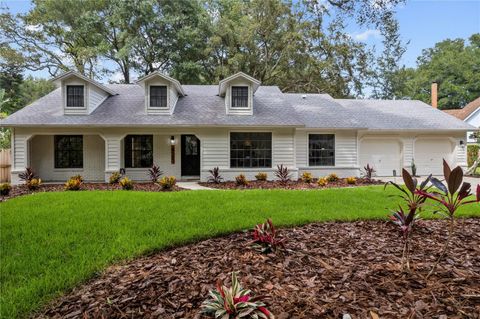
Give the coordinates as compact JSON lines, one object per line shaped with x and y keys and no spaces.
{"x":300,"y":46}
{"x":453,"y":64}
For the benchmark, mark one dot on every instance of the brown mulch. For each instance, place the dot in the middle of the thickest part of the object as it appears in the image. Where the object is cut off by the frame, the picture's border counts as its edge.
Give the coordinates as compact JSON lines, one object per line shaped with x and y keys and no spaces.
{"x":20,"y":190}
{"x":342,"y":182}
{"x":328,"y":270}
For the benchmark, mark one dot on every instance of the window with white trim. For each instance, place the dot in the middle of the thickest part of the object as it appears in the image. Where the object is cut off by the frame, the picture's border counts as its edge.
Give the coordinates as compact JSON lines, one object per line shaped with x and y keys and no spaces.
{"x":75,"y":96}
{"x":158,"y":96}
{"x":240,"y":96}
{"x":250,"y":150}
{"x":321,"y":150}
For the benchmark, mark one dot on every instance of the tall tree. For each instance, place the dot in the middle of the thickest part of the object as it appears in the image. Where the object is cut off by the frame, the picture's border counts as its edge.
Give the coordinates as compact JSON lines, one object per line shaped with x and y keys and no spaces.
{"x":453,"y":64}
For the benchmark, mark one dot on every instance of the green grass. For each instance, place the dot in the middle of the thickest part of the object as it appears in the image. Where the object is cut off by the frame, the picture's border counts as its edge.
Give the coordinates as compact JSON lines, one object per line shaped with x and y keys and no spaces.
{"x":51,"y":242}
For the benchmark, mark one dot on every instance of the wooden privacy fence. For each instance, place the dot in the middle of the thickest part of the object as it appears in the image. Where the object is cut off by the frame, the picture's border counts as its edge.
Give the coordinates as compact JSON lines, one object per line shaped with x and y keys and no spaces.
{"x":5,"y":165}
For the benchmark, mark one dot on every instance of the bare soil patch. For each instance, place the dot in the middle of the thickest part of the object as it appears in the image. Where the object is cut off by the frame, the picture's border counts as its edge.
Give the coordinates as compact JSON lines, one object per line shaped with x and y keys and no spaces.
{"x":342,"y":182}
{"x":329,"y":269}
{"x":20,"y":190}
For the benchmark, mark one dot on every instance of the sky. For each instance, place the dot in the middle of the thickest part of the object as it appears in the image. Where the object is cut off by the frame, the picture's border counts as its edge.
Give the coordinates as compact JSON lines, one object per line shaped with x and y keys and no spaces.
{"x":422,"y":22}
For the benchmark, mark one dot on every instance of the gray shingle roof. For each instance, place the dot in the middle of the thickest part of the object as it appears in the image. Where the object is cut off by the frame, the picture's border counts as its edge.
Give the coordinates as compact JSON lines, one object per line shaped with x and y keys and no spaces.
{"x":203,"y":107}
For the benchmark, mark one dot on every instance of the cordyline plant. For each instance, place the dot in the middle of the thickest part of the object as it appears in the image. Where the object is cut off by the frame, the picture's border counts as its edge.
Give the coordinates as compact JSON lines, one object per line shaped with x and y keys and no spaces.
{"x":283,"y":174}
{"x":368,"y":172}
{"x":27,"y":175}
{"x":266,"y":239}
{"x":406,"y":220}
{"x":215,"y":176}
{"x":154,"y":173}
{"x":449,"y":199}
{"x":235,"y":302}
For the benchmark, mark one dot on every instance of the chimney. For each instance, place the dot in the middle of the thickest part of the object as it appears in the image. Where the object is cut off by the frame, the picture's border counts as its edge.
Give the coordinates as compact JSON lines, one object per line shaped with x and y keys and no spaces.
{"x":434,"y":94}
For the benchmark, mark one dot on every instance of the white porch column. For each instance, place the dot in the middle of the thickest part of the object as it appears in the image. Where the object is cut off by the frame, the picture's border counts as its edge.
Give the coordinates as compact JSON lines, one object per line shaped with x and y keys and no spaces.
{"x":20,"y":155}
{"x":112,"y":154}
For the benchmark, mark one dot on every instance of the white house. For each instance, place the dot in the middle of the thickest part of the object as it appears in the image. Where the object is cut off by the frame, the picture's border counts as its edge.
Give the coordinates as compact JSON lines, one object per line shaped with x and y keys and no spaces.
{"x":88,"y":128}
{"x":469,"y":114}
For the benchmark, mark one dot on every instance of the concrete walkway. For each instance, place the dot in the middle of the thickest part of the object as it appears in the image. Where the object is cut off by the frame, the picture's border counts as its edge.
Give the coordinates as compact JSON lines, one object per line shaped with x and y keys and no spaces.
{"x":193,"y":186}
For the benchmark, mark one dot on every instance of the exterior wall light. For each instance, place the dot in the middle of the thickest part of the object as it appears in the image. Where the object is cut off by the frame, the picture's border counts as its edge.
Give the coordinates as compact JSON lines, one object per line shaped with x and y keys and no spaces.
{"x":172,"y":149}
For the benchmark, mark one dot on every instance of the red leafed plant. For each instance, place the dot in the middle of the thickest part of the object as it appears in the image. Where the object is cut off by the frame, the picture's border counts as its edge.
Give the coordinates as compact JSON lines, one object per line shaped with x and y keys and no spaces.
{"x":449,"y":199}
{"x":282,"y":173}
{"x":266,"y":239}
{"x":235,"y":302}
{"x":414,"y":202}
{"x":368,"y":172}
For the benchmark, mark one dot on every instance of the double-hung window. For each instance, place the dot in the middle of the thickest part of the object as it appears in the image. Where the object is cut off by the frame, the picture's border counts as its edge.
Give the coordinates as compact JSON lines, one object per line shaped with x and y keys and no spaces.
{"x":250,"y":150}
{"x":68,"y":151}
{"x":321,"y":150}
{"x":240,"y":96}
{"x":138,"y":151}
{"x":158,"y":96}
{"x":75,"y":96}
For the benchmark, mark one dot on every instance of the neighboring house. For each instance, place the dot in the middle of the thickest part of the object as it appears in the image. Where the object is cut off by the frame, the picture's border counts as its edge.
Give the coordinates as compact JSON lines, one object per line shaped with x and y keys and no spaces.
{"x":92,"y":129}
{"x":469,"y":114}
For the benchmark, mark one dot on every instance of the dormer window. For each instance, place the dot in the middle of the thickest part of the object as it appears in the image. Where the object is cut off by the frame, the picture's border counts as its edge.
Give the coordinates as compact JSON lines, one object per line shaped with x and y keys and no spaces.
{"x":240,"y":96}
{"x":158,"y":96}
{"x":75,"y":96}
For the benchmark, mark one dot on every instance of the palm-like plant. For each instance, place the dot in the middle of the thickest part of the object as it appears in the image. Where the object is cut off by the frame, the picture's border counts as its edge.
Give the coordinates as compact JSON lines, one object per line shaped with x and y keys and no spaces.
{"x":235,"y":302}
{"x":414,"y":202}
{"x":449,"y":199}
{"x":215,"y":176}
{"x":283,"y":174}
{"x":154,"y":173}
{"x":27,"y":175}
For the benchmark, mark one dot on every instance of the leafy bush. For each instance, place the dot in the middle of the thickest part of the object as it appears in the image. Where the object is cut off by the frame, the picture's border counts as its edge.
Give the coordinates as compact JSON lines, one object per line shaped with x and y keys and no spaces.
{"x":283,"y":174}
{"x":265,"y":238}
{"x":215,"y":176}
{"x":5,"y":189}
{"x":414,"y":203}
{"x":450,"y":198}
{"x":332,"y":178}
{"x":261,"y":176}
{"x":77,"y":177}
{"x":27,"y":175}
{"x":154,"y":173}
{"x":168,"y":182}
{"x":126,"y":183}
{"x":73,"y":184}
{"x":351,"y":180}
{"x":115,"y":178}
{"x":307,"y":177}
{"x":472,"y":153}
{"x":322,"y":182}
{"x":368,"y":172}
{"x":235,"y":302}
{"x":34,"y":184}
{"x":241,"y":180}
{"x":414,"y":168}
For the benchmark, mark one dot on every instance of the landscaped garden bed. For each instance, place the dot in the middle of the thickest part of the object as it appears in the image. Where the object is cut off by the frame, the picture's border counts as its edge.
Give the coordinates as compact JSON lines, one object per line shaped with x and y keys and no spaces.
{"x":256,"y":184}
{"x":19,"y":190}
{"x":326,"y":271}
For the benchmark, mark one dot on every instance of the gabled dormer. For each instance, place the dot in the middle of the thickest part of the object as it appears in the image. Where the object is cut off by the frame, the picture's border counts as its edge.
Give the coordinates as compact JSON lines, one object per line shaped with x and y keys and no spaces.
{"x":161,"y":93}
{"x":238,"y":91}
{"x":81,"y":95}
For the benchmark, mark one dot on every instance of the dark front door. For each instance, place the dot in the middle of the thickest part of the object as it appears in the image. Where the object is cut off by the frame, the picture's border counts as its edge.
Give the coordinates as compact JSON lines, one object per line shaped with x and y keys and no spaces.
{"x":190,"y":155}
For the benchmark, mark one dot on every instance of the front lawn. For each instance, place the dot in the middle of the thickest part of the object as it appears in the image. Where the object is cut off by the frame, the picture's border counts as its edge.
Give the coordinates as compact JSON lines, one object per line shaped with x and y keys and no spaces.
{"x":50,"y":242}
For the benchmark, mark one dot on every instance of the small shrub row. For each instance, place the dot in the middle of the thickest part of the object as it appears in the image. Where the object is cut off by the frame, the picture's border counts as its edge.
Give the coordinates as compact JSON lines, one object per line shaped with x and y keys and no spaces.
{"x":5,"y":189}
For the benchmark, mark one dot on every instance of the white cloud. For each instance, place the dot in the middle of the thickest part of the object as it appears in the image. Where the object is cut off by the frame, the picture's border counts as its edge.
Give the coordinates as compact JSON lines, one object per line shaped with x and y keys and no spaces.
{"x":365,"y":35}
{"x":116,"y":77}
{"x":33,"y":27}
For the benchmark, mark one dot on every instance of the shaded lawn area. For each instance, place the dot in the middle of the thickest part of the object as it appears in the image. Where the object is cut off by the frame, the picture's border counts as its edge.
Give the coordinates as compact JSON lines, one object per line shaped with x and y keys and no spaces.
{"x":51,"y":242}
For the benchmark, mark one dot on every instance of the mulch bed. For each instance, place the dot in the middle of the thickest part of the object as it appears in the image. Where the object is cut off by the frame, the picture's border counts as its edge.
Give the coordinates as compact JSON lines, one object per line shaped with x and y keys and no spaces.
{"x":291,"y":184}
{"x":328,"y":270}
{"x":20,"y":190}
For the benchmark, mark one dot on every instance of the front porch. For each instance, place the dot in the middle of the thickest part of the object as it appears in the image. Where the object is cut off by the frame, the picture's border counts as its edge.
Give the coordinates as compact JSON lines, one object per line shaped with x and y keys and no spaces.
{"x":56,"y":156}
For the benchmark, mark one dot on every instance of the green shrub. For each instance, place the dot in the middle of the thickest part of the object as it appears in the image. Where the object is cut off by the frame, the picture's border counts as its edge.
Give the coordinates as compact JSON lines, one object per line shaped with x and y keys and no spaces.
{"x":241,"y":180}
{"x":307,"y":177}
{"x":167,"y":182}
{"x":77,"y":177}
{"x":73,"y":184}
{"x":332,"y":178}
{"x":261,"y":176}
{"x":114,"y":178}
{"x":126,"y":183}
{"x":34,"y":184}
{"x":472,"y":153}
{"x":5,"y":189}
{"x":322,"y":182}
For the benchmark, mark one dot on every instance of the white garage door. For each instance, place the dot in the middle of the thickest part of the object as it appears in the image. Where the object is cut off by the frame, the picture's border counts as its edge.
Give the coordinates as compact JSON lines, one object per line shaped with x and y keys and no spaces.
{"x":429,"y":155}
{"x":382,"y":154}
